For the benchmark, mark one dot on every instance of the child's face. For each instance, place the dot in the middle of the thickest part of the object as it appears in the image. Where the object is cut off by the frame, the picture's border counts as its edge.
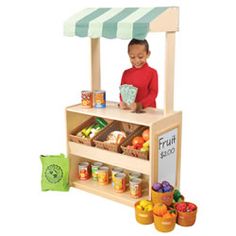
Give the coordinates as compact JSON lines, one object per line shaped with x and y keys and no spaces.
{"x":138,"y":55}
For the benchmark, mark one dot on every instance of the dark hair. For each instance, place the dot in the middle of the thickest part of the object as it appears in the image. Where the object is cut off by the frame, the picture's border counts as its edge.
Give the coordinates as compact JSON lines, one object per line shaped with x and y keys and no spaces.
{"x":140,"y":42}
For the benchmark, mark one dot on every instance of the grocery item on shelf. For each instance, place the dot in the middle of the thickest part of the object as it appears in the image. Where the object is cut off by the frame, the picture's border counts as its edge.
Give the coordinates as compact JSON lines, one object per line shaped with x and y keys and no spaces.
{"x":120,"y":182}
{"x":95,"y":167}
{"x":137,"y":145}
{"x":116,"y":137}
{"x":134,"y":174}
{"x":103,"y":175}
{"x":100,"y":98}
{"x":87,"y":131}
{"x":114,"y":171}
{"x":112,"y":136}
{"x":135,"y":186}
{"x":84,"y":170}
{"x":87,"y":99}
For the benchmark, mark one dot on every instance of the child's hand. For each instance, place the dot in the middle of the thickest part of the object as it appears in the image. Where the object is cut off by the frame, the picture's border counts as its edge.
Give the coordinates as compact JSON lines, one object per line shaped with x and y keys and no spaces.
{"x":123,"y":106}
{"x":135,"y":106}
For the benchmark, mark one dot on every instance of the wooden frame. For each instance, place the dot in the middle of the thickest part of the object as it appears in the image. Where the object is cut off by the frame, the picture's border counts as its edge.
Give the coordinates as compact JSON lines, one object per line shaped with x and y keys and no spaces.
{"x":157,"y":122}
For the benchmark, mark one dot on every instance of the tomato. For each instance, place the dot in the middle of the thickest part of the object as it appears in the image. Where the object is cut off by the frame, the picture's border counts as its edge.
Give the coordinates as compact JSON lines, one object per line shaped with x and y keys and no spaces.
{"x":145,"y":135}
{"x":138,"y":140}
{"x":138,"y":146}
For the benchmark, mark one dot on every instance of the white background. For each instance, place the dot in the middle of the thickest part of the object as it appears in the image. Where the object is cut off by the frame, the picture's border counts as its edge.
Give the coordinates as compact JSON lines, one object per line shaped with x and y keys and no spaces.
{"x":42,"y":72}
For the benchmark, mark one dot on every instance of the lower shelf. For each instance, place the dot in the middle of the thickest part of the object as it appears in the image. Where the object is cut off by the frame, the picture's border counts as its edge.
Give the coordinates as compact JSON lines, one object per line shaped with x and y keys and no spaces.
{"x":107,"y":191}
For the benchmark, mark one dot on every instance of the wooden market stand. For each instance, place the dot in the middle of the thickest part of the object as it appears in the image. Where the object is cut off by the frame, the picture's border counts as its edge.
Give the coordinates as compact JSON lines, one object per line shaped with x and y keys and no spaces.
{"x":165,"y":125}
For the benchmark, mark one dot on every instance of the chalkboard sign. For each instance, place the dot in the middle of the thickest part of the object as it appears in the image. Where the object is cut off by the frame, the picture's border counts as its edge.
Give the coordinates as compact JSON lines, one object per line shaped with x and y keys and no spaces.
{"x":167,"y":156}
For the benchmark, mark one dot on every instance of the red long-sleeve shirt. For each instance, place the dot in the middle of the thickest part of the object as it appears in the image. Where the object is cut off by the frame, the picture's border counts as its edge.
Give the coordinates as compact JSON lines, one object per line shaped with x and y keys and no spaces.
{"x":146,"y":80}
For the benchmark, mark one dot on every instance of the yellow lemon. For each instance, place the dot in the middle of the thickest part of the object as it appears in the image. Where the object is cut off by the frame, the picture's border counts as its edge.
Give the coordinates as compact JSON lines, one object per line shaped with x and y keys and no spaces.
{"x":139,"y":207}
{"x":148,"y":207}
{"x":144,"y":203}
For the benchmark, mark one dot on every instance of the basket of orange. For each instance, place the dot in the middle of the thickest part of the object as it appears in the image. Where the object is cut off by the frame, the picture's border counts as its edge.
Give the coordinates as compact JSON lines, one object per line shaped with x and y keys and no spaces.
{"x":137,"y":145}
{"x":164,"y":217}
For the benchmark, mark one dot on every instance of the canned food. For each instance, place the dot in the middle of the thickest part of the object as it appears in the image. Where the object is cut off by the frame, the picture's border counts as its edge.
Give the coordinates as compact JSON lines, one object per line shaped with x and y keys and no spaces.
{"x":114,"y":171}
{"x":103,"y":175}
{"x":100,"y":98}
{"x":134,"y":175}
{"x":120,"y":182}
{"x":95,"y":167}
{"x":84,"y":171}
{"x":87,"y":99}
{"x":135,"y":185}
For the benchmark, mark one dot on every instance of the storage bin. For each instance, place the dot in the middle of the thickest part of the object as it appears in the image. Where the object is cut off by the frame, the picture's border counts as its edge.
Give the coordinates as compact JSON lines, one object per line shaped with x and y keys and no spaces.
{"x":142,"y":216}
{"x":101,"y":137}
{"x":166,"y":198}
{"x":87,"y":141}
{"x":164,"y":224}
{"x":186,"y":218}
{"x":134,"y":152}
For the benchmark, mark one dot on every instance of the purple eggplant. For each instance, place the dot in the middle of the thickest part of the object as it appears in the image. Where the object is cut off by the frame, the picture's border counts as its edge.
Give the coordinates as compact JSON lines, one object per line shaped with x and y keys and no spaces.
{"x":165,"y":183}
{"x":156,"y":186}
{"x":167,"y":188}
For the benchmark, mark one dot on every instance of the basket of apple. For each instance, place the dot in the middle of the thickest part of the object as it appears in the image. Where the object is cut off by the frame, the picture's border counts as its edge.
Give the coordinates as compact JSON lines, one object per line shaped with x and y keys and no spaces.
{"x":186,"y":213}
{"x":137,"y":145}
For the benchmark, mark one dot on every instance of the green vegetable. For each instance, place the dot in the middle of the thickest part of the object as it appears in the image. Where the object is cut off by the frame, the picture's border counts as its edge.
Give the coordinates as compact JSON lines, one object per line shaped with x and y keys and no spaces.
{"x":101,"y":122}
{"x":88,"y":130}
{"x":177,"y":195}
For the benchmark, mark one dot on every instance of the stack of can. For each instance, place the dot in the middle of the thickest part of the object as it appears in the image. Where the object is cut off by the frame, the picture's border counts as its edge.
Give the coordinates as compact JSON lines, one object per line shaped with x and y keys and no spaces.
{"x":135,"y":184}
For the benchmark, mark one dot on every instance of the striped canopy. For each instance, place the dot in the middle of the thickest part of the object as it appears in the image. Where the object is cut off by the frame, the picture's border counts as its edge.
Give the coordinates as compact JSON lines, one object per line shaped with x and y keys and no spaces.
{"x":123,"y":23}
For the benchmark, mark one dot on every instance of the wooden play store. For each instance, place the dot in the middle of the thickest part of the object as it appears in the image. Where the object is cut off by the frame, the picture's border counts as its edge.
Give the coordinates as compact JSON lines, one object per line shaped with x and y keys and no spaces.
{"x":162,"y":160}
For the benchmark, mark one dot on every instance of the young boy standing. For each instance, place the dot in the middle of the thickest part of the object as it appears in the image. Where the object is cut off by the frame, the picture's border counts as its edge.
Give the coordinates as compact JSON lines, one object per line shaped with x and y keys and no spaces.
{"x":141,"y":76}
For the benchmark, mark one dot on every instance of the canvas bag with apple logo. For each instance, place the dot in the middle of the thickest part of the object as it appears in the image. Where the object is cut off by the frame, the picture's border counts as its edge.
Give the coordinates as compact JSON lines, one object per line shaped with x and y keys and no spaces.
{"x":55,"y":173}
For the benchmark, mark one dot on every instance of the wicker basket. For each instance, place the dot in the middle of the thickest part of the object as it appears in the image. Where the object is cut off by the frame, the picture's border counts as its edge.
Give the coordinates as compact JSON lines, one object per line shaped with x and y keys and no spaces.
{"x":87,"y":141}
{"x":134,"y":152}
{"x":114,"y":126}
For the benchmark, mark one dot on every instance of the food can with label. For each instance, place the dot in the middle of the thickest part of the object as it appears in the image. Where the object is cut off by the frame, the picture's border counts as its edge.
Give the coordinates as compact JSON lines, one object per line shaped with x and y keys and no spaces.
{"x":134,"y":175}
{"x":135,"y":186}
{"x":100,"y":98}
{"x":114,"y":171}
{"x":103,"y":175}
{"x":95,"y":167}
{"x":120,"y":182}
{"x":84,"y":170}
{"x":87,"y":99}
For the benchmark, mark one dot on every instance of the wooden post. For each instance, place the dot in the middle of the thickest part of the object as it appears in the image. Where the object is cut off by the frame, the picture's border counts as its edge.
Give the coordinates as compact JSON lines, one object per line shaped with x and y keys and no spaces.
{"x":169,"y":73}
{"x":95,"y":64}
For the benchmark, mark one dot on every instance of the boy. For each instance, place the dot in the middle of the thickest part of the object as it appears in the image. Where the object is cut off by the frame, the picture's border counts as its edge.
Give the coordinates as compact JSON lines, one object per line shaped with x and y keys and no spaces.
{"x":141,"y":76}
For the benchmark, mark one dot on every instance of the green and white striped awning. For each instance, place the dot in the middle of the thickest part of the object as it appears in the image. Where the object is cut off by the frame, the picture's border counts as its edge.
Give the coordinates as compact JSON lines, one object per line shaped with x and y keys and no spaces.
{"x":123,"y":23}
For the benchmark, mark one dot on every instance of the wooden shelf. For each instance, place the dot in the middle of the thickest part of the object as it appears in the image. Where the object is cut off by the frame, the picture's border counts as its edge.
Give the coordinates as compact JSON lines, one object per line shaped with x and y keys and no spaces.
{"x":107,"y":191}
{"x":112,"y":111}
{"x":111,"y":158}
